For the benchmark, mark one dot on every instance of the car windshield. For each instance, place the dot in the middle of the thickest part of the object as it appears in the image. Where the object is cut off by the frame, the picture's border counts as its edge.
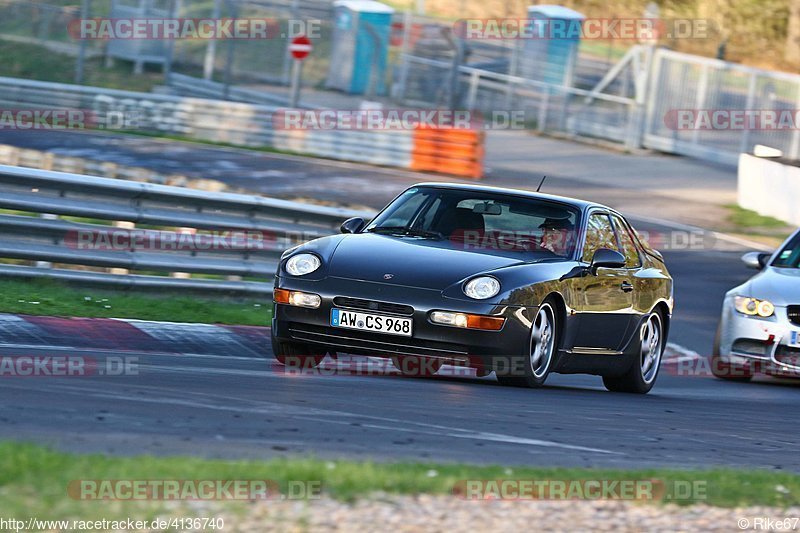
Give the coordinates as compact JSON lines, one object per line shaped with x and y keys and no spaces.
{"x":478,"y":220}
{"x":790,"y":255}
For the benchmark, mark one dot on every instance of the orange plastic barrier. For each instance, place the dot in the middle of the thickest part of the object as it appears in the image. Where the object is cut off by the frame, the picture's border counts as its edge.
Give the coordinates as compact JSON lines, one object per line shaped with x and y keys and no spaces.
{"x":448,"y":150}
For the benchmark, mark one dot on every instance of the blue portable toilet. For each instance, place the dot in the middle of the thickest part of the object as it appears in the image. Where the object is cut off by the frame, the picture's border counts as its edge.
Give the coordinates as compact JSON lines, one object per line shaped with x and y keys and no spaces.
{"x":360,"y":47}
{"x":551,"y":51}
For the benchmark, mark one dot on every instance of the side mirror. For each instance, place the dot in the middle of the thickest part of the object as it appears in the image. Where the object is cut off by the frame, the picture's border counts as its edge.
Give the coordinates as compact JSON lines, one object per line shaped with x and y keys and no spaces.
{"x":756,"y":260}
{"x":606,"y":258}
{"x":352,"y":225}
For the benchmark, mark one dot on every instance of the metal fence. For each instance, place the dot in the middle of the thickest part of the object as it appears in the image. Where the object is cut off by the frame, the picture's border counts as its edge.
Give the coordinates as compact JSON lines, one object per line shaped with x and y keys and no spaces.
{"x":81,"y":217}
{"x":631,"y":104}
{"x":682,"y":81}
{"x":546,"y":107}
{"x":629,"y":96}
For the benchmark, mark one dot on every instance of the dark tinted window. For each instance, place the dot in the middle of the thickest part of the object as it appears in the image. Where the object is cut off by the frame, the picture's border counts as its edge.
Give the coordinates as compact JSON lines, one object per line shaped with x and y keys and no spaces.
{"x":599,"y":234}
{"x":632,"y":259}
{"x":403,"y":210}
{"x":478,"y":220}
{"x":789,"y":257}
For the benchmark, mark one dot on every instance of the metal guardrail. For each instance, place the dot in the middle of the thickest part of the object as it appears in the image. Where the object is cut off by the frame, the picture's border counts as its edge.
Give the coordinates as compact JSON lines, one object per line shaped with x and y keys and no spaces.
{"x":199,"y":88}
{"x":163,"y":214}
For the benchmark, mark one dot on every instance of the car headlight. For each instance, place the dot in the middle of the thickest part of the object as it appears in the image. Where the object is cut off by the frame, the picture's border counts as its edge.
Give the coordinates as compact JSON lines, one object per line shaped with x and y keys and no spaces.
{"x":482,"y":288}
{"x":754,"y":306}
{"x":302,"y":264}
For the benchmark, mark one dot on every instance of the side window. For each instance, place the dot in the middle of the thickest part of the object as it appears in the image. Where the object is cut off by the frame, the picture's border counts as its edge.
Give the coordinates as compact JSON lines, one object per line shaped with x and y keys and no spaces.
{"x":629,"y":250}
{"x":599,"y":234}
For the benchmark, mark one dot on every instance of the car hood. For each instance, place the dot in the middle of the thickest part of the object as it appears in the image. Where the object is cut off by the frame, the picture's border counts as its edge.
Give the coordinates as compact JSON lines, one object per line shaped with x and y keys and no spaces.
{"x":781,"y":286}
{"x":412,"y":262}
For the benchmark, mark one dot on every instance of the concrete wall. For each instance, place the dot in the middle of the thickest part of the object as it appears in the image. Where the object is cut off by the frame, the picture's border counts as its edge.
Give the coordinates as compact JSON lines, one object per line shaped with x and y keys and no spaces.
{"x":770,"y":188}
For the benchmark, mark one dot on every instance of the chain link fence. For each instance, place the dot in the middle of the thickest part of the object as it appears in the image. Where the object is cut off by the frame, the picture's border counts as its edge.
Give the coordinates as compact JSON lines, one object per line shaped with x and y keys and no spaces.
{"x":623,"y":97}
{"x":687,"y":82}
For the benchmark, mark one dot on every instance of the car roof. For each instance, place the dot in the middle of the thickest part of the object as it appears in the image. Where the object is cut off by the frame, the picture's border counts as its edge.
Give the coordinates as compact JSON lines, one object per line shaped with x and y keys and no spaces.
{"x":583,"y":205}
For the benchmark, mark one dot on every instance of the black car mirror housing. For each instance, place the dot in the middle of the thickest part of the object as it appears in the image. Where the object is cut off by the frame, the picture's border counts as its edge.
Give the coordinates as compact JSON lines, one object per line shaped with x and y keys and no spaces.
{"x":607,"y":258}
{"x":352,"y":225}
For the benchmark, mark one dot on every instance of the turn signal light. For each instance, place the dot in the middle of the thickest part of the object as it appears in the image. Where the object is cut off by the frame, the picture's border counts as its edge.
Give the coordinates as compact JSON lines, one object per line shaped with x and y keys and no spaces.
{"x":492,"y":323}
{"x":463,"y":320}
{"x":297,"y":298}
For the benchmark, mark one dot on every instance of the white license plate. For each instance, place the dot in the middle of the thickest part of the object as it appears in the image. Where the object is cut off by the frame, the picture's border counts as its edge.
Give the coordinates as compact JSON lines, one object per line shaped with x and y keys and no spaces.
{"x":392,"y":325}
{"x":794,"y":339}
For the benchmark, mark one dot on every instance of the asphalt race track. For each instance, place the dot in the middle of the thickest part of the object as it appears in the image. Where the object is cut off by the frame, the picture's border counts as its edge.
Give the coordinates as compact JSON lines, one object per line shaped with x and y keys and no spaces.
{"x":225,"y":405}
{"x":231,"y":407}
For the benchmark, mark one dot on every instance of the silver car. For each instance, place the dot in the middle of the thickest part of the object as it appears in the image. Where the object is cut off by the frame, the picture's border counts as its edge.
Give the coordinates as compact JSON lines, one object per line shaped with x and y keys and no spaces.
{"x":760,"y":326}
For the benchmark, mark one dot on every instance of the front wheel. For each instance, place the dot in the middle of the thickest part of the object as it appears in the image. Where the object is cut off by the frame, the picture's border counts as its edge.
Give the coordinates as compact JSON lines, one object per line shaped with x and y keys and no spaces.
{"x":642,"y":375}
{"x":534,"y":370}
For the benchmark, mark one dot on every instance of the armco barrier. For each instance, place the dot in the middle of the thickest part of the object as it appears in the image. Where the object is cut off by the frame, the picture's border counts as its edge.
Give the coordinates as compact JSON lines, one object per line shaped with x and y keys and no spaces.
{"x":236,"y":123}
{"x":449,"y":151}
{"x":770,"y":187}
{"x":275,"y":225}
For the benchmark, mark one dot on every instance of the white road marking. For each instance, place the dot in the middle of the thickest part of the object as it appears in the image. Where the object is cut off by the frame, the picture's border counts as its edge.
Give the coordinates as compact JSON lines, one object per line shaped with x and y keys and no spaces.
{"x":680,"y":354}
{"x":718,"y":235}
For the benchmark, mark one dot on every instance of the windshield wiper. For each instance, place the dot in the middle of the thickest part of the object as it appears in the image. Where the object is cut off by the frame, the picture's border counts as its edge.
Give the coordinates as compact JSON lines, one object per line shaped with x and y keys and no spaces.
{"x":404,"y":231}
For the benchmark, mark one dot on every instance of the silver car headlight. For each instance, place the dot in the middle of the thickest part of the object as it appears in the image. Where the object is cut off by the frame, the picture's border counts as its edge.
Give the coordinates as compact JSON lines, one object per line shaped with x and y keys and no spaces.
{"x":754,"y":306}
{"x":482,"y":288}
{"x":302,"y":264}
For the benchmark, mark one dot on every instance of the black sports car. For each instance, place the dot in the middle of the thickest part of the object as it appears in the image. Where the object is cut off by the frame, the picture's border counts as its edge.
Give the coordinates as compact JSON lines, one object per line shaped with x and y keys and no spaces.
{"x":519,"y":283}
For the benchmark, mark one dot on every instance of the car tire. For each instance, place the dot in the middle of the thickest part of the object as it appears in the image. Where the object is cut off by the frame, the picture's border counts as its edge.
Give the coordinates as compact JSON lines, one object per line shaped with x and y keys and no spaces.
{"x":723,"y":369}
{"x":641,"y":376}
{"x":411,"y":366}
{"x":295,"y":356}
{"x":542,"y":350}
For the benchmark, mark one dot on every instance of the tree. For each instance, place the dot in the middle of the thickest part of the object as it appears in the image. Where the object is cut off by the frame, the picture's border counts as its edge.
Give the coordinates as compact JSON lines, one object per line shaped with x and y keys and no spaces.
{"x":792,"y":50}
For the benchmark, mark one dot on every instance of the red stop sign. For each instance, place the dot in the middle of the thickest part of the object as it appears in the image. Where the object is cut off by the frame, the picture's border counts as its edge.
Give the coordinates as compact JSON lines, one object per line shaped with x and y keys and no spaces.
{"x":300,"y":47}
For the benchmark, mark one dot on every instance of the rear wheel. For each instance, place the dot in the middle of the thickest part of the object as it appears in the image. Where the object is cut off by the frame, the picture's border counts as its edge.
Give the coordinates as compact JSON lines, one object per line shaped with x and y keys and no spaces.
{"x":543,"y":345}
{"x":641,"y":376}
{"x":725,"y":370}
{"x":296,"y":356}
{"x":412,"y":366}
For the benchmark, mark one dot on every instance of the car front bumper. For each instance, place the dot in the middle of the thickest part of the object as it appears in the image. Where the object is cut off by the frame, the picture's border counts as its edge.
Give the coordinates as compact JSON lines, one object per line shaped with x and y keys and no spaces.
{"x":454,"y":345}
{"x":761,"y":343}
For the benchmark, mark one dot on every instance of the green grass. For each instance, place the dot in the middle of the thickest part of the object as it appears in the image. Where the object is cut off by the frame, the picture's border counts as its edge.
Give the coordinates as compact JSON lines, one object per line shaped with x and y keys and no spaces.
{"x":38,"y":63}
{"x":34,"y":479}
{"x":51,"y":298}
{"x":747,"y":219}
{"x":217,"y":144}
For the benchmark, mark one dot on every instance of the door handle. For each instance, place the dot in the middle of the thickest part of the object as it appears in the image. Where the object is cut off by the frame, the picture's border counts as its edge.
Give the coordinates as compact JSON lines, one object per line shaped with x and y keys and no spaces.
{"x":626,"y":286}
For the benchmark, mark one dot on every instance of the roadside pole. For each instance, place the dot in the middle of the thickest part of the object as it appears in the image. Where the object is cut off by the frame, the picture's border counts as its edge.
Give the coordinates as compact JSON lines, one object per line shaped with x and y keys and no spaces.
{"x":81,"y":63}
{"x":300,"y":47}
